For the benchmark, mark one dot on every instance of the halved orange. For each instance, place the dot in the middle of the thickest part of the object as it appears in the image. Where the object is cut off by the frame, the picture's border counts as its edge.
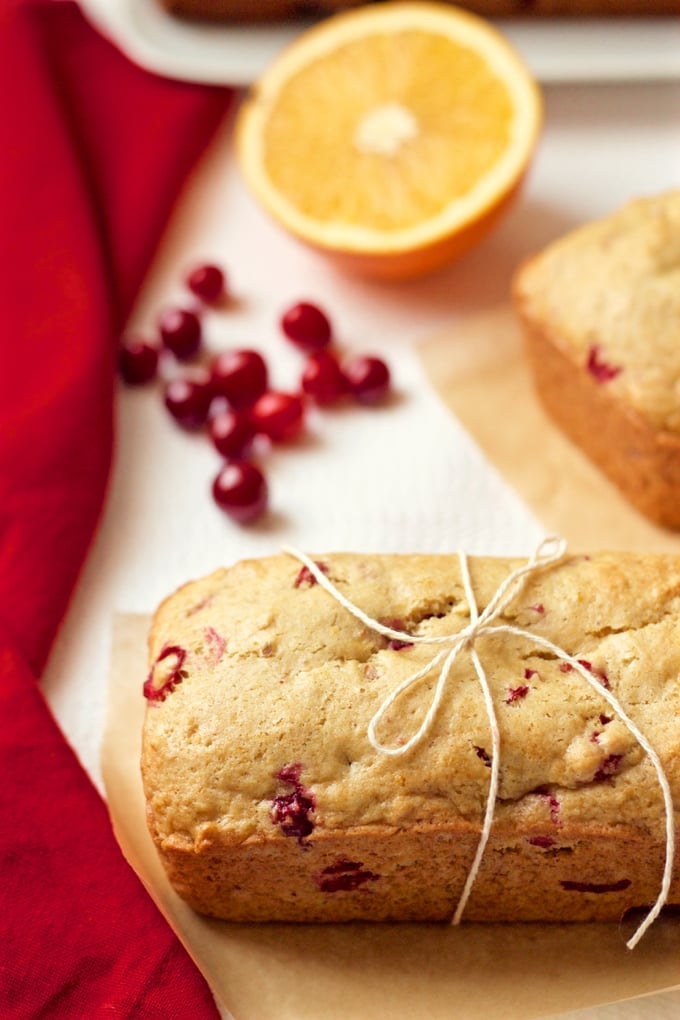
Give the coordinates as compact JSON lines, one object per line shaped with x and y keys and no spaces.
{"x":391,"y":136}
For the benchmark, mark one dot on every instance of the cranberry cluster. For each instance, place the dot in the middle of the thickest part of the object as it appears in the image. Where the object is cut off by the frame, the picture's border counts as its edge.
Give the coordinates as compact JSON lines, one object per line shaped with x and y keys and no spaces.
{"x":230,"y":395}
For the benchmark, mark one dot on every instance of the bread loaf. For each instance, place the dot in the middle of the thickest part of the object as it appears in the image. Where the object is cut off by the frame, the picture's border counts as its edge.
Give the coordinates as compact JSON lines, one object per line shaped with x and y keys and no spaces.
{"x":268,"y":800}
{"x":261,"y":10}
{"x":601,"y":315}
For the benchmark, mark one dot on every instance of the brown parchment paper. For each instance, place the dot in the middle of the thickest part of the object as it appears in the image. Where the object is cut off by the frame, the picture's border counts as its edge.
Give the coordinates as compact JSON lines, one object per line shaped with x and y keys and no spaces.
{"x":478,"y":368}
{"x":362,"y":972}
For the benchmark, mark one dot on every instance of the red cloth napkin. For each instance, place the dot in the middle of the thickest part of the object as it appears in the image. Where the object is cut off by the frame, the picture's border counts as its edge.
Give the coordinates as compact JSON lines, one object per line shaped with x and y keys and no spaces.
{"x":92,"y":154}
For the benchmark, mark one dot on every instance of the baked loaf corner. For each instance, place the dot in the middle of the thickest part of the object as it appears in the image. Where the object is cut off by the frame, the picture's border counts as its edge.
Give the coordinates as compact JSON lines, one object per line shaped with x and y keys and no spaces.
{"x":600,"y":309}
{"x":267,"y":800}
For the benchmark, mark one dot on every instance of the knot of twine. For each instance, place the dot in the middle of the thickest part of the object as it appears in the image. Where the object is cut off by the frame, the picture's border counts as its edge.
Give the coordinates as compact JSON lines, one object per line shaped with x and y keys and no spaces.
{"x":548,"y":552}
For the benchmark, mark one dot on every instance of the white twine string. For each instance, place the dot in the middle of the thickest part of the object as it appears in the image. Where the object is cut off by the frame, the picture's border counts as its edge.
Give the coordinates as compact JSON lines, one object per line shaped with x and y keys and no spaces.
{"x":548,"y":552}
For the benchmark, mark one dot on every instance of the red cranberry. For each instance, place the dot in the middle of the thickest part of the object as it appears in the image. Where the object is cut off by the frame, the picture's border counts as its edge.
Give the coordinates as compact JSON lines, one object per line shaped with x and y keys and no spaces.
{"x":215,"y":644}
{"x":394,"y":623}
{"x":596,"y":887}
{"x":516,"y":694}
{"x":368,"y":378}
{"x":609,"y":767}
{"x":188,"y":400}
{"x":544,"y":842}
{"x":138,"y":361}
{"x":600,"y":369}
{"x":305,"y":577}
{"x":231,"y":432}
{"x":240,"y":376}
{"x":322,"y":379}
{"x":553,"y":803}
{"x":180,"y":331}
{"x":207,"y":282}
{"x":279,"y":416}
{"x":345,"y":876}
{"x":292,"y":811}
{"x":307,"y":327}
{"x":164,"y":678}
{"x":240,"y":490}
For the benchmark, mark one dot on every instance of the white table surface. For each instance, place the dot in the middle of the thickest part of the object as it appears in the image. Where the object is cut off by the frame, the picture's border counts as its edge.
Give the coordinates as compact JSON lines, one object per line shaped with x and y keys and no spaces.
{"x":405,"y":478}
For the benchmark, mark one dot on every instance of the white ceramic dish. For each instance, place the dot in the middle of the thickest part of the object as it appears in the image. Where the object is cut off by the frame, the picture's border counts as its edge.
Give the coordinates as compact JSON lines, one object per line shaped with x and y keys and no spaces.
{"x":638,"y":49}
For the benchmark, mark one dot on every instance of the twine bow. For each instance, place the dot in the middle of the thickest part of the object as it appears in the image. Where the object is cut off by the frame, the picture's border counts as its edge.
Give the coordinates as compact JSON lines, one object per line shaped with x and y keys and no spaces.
{"x":548,"y":552}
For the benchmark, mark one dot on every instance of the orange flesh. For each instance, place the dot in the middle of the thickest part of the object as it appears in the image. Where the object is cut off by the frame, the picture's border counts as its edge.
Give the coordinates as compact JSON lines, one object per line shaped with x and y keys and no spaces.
{"x":310,"y":149}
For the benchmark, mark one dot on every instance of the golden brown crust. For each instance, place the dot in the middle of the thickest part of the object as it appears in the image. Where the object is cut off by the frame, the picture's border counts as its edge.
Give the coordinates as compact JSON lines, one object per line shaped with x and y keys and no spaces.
{"x":418,"y":875}
{"x":261,"y":10}
{"x":278,"y":686}
{"x":641,"y":461}
{"x":600,"y":309}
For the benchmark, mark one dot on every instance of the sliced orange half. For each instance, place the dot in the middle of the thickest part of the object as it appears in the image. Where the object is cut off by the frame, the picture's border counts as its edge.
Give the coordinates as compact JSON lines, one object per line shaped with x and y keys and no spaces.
{"x":391,"y":136}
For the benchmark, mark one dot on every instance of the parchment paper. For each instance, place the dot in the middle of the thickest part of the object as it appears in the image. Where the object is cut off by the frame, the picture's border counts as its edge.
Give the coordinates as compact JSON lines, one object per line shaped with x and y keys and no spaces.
{"x":478,"y":369}
{"x":361,"y":972}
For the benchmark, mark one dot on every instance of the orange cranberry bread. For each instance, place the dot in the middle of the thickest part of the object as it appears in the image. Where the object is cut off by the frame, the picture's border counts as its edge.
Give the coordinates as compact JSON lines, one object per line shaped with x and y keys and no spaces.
{"x":601,"y":315}
{"x":259,"y":10}
{"x":268,"y":802}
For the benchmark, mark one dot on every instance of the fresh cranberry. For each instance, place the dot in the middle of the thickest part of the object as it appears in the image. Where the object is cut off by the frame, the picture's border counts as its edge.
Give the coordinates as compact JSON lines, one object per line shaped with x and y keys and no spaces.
{"x":240,"y":489}
{"x":307,"y":326}
{"x":240,"y":376}
{"x":231,"y":432}
{"x":188,"y":400}
{"x":322,"y":379}
{"x":368,"y":378}
{"x":279,"y":416}
{"x":181,"y":332}
{"x":138,"y":361}
{"x":207,"y":282}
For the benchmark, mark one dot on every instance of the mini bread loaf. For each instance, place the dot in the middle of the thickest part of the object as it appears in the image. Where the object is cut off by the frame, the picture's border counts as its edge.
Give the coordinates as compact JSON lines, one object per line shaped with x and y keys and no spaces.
{"x":601,"y":315}
{"x":260,"y":10}
{"x":267,"y":800}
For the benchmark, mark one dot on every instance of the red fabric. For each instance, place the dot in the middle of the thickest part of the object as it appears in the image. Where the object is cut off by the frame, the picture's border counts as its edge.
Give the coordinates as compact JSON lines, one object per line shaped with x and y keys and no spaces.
{"x":93,"y":153}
